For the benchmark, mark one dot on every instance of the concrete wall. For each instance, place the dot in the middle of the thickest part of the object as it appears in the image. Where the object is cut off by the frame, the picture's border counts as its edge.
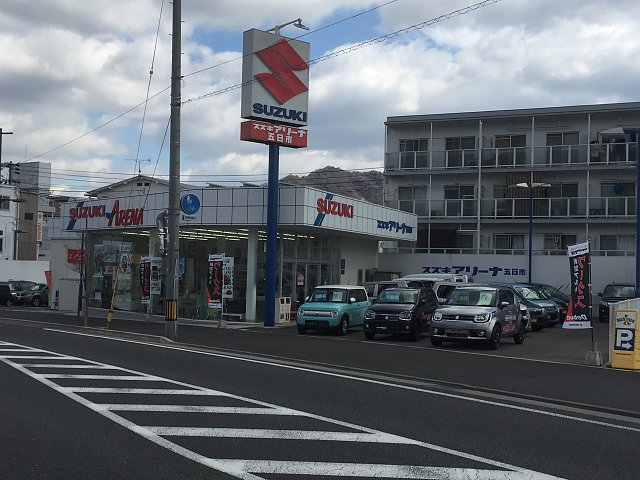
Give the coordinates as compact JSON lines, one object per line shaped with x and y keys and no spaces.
{"x":23,"y":270}
{"x":358,"y":255}
{"x":551,"y":269}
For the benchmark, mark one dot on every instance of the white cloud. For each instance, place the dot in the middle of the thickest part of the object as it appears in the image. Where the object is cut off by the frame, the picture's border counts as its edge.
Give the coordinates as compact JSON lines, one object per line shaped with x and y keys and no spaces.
{"x":70,"y":66}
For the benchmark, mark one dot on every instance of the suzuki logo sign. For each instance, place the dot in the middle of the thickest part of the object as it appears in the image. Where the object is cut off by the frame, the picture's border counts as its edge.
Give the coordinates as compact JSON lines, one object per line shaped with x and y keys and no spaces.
{"x":282,"y":59}
{"x":275,"y":79}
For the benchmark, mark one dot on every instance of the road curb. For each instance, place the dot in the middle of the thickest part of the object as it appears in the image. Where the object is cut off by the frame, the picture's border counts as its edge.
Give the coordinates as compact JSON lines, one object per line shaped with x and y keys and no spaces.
{"x":143,"y":337}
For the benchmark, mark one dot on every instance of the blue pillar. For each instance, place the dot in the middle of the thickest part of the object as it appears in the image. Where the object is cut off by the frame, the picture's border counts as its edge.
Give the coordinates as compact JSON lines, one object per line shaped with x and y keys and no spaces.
{"x":637,"y":213}
{"x":530,"y":227}
{"x":272,"y":231}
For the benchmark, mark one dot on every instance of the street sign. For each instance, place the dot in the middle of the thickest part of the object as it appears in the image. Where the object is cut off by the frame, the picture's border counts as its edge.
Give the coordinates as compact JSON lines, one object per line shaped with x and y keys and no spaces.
{"x":624,"y":339}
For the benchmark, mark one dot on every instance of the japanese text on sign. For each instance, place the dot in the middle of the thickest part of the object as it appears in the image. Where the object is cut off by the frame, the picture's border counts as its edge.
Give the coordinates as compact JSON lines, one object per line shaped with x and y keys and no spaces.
{"x":460,"y":269}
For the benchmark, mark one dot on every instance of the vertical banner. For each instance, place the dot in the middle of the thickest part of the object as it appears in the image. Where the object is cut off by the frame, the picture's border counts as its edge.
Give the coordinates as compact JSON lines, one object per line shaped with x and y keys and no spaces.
{"x":145,"y":280}
{"x":580,"y":301}
{"x":227,"y":277}
{"x":215,"y":281}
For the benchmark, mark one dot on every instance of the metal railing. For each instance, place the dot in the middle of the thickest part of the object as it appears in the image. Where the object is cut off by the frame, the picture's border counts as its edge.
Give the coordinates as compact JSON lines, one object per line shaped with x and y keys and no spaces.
{"x":574,"y":207}
{"x":516,"y":157}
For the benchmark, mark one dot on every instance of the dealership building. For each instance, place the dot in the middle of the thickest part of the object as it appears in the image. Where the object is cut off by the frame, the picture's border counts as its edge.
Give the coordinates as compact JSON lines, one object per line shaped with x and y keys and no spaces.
{"x":322,"y":239}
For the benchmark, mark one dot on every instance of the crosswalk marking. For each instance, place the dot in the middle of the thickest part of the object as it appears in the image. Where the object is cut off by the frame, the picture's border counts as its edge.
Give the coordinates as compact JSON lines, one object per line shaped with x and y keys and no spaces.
{"x":102,"y":377}
{"x":279,"y":434}
{"x":245,"y":469}
{"x":200,"y":409}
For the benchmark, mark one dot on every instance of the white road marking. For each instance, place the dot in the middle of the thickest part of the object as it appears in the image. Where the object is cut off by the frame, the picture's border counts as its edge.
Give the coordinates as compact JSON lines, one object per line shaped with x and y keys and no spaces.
{"x":245,"y":469}
{"x":378,"y":470}
{"x":65,"y":366}
{"x":279,"y":434}
{"x":101,"y":377}
{"x":139,"y":391}
{"x":128,"y":407}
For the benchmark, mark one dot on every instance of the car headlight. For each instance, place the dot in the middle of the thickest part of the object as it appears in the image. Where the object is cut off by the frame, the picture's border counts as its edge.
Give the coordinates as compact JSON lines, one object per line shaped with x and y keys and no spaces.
{"x":406,"y":315}
{"x":485,"y":317}
{"x":370,"y":314}
{"x":437,"y":316}
{"x":333,"y":313}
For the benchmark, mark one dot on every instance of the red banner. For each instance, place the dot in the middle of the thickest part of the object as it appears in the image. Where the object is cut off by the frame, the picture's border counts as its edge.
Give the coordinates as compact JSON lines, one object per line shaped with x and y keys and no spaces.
{"x":264,"y":132}
{"x":74,"y":256}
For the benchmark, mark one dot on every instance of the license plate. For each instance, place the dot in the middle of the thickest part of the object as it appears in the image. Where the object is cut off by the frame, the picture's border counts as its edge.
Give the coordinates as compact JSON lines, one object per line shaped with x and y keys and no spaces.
{"x":381,"y":328}
{"x":456,"y":333}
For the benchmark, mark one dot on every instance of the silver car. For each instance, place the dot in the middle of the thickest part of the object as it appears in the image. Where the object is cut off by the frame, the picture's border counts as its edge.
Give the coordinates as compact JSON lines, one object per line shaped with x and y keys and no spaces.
{"x":478,"y":313}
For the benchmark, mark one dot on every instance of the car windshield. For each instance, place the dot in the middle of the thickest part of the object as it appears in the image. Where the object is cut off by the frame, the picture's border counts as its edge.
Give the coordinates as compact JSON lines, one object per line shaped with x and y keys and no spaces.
{"x":397,"y":296}
{"x":334,"y":295}
{"x":530,"y":293}
{"x":622,"y":291}
{"x":34,"y":288}
{"x":472,"y":296}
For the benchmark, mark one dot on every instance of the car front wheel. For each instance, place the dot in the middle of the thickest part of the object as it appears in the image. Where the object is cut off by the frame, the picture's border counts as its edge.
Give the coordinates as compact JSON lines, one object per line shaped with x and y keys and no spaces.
{"x":302,"y":329}
{"x":494,"y":340}
{"x":343,"y":326}
{"x":35,"y":301}
{"x":369,"y":335}
{"x":519,"y":337}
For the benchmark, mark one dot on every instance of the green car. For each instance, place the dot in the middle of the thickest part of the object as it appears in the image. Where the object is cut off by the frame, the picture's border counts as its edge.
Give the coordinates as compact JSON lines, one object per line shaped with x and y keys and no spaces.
{"x":333,"y":307}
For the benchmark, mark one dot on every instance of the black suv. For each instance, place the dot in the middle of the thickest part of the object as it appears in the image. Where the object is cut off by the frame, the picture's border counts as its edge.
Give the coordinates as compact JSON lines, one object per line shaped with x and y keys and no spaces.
{"x":614,"y":293}
{"x":12,"y":292}
{"x":401,"y":310}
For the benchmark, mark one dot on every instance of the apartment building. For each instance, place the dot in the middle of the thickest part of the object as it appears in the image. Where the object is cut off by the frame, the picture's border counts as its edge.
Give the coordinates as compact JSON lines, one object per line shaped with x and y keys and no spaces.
{"x":484,"y":183}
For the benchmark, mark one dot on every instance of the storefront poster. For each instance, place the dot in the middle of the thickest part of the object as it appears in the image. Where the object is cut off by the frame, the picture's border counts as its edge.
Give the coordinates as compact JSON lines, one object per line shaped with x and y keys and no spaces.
{"x":580,"y":300}
{"x":145,"y":280}
{"x":227,"y":277}
{"x":156,"y":268}
{"x":215,"y":281}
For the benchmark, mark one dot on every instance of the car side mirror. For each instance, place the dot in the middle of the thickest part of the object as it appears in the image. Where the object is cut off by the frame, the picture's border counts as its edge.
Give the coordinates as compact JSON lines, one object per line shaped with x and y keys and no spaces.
{"x":352,"y":300}
{"x":306,"y":299}
{"x":600,"y":294}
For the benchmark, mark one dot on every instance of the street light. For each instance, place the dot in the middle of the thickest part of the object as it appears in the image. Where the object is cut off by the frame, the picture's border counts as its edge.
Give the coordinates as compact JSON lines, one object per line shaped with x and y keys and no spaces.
{"x":531,"y":186}
{"x":295,"y":23}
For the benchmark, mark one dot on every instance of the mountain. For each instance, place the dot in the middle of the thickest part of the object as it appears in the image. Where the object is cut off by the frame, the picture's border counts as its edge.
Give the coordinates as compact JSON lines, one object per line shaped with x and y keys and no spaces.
{"x":360,"y":185}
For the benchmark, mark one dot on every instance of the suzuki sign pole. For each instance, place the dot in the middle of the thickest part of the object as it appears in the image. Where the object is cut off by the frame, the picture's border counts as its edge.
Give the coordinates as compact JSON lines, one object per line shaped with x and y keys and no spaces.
{"x":275,"y":99}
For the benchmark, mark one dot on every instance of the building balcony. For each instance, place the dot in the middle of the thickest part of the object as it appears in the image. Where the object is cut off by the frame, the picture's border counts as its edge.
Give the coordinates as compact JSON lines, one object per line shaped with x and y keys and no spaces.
{"x":505,"y":208}
{"x":517,"y":157}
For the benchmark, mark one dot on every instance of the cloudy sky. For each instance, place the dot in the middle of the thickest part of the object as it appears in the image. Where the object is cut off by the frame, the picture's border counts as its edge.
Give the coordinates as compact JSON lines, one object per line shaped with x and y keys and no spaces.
{"x":73,"y":71}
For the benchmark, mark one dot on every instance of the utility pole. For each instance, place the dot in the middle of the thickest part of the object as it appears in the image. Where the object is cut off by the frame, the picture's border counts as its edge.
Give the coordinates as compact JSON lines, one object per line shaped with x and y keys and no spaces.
{"x":1,"y":164}
{"x":173,"y":241}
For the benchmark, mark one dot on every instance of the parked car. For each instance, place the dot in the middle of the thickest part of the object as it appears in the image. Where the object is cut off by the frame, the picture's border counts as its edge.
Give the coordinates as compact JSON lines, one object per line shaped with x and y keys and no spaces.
{"x":376,"y":288}
{"x":479,"y":313}
{"x":333,"y":307}
{"x":401,"y":310}
{"x":443,"y":289}
{"x":435,"y":277}
{"x":557,"y":297}
{"x":543,"y":312}
{"x":614,"y":293}
{"x":12,"y":291}
{"x":37,"y":295}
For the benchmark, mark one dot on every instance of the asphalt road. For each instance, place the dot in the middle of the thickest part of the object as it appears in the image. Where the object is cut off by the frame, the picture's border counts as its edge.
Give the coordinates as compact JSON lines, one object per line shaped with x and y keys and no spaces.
{"x":272,"y":404}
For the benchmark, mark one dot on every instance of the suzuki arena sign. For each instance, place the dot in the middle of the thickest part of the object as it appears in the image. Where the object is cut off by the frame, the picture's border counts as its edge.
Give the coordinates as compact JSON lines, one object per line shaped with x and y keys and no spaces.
{"x":275,"y":79}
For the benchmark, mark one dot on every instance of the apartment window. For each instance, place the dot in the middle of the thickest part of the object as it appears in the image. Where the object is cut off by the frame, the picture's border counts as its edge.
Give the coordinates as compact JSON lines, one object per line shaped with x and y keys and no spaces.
{"x":4,"y":203}
{"x":562,"y":190}
{"x":414,"y":145}
{"x":28,"y":215}
{"x":559,"y":242}
{"x":563,"y":138}
{"x":511,"y":141}
{"x":457,"y":192}
{"x":618,"y":189}
{"x":499,"y":190}
{"x":460,"y":143}
{"x":506,"y":243}
{"x":617,"y":243}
